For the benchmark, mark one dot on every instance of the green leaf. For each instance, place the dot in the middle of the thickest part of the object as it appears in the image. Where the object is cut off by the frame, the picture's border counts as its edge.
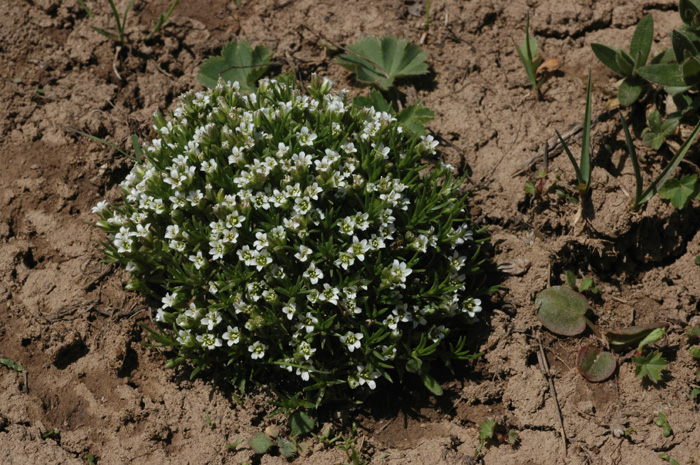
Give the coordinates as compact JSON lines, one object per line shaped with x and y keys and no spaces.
{"x":380,"y":62}
{"x":571,"y":279}
{"x":375,"y":99}
{"x":260,"y":443}
{"x":625,"y":63}
{"x":301,"y":423}
{"x":630,"y":90}
{"x":683,"y":46}
{"x":632,"y":334}
{"x":238,"y":62}
{"x":562,"y":310}
{"x":650,"y":366}
{"x":430,"y":383}
{"x":414,"y":117}
{"x":666,"y":74}
{"x":606,"y":54}
{"x":670,"y":168}
{"x":12,"y":364}
{"x":642,"y":40}
{"x":594,"y":364}
{"x":413,"y":365}
{"x":486,"y":429}
{"x":654,"y":336}
{"x":655,"y":135}
{"x":689,"y":11}
{"x":287,"y":448}
{"x":695,"y":352}
{"x":695,"y":393}
{"x":679,"y":192}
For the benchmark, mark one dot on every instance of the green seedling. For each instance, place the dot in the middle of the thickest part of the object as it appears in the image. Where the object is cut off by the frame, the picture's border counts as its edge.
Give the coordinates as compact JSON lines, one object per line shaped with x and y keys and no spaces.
{"x":655,"y":134}
{"x":11,"y":364}
{"x":235,"y":444}
{"x":238,"y":62}
{"x":583,"y":168}
{"x":489,"y":430}
{"x":353,"y":455}
{"x":381,"y":61}
{"x":650,"y":366}
{"x":587,"y":284}
{"x":562,"y":310}
{"x":662,"y":422}
{"x":120,"y":35}
{"x":667,"y":458}
{"x":627,"y":64}
{"x":427,"y":14}
{"x":527,"y":52}
{"x":642,"y":195}
{"x":209,"y":422}
{"x":680,"y":191}
{"x":91,"y":460}
{"x":53,"y":433}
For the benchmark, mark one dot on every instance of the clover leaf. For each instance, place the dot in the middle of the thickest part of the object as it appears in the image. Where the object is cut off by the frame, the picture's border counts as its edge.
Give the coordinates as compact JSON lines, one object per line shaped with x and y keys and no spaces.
{"x":380,"y":62}
{"x":238,"y":62}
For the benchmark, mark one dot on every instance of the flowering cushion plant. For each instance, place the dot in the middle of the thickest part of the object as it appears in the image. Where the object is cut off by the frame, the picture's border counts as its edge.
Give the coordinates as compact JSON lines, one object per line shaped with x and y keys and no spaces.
{"x":298,"y":235}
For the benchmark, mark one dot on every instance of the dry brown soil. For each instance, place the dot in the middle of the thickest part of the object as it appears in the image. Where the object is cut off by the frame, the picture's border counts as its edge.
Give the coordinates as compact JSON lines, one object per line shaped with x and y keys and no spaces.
{"x":67,"y":319}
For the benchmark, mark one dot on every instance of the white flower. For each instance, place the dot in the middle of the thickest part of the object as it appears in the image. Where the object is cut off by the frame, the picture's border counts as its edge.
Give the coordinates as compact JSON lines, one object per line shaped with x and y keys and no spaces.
{"x":101,"y":207}
{"x":352,"y":340}
{"x":212,"y":319}
{"x":306,"y":138}
{"x":169,"y":300}
{"x":209,"y":341}
{"x":313,"y":274}
{"x":366,"y":375}
{"x":257,"y":350}
{"x":471,"y":307}
{"x":303,"y":253}
{"x":232,"y":335}
{"x":329,"y":294}
{"x":261,"y":242}
{"x":198,"y":260}
{"x":305,"y":350}
{"x":290,"y":309}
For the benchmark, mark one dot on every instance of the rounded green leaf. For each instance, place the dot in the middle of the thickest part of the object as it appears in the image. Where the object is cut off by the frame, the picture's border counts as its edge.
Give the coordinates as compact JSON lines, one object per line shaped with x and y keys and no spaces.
{"x":630,"y":90}
{"x":594,"y":364}
{"x":561,"y":310}
{"x":260,"y":443}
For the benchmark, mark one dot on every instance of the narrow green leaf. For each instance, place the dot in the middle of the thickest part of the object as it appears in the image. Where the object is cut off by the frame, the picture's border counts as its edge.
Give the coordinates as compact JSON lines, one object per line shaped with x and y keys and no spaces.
{"x":586,"y":166}
{"x":571,"y":279}
{"x":670,"y":168}
{"x":683,"y":46}
{"x":633,"y":334}
{"x":655,"y":336}
{"x":87,"y":10}
{"x":642,"y":40}
{"x":162,"y":19}
{"x":606,"y":54}
{"x":108,"y":35}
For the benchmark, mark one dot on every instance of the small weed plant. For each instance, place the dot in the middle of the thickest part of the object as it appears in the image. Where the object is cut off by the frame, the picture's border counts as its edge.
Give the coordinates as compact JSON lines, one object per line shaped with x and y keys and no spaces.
{"x":120,"y":35}
{"x":298,"y":237}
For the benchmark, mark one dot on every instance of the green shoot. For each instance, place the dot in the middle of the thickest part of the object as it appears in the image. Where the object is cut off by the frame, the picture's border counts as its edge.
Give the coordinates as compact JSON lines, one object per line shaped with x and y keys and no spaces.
{"x":642,"y":196}
{"x":11,"y":364}
{"x":162,"y":19}
{"x":662,"y":422}
{"x":427,"y":14}
{"x":528,"y":56}
{"x":120,"y":35}
{"x":584,"y":168}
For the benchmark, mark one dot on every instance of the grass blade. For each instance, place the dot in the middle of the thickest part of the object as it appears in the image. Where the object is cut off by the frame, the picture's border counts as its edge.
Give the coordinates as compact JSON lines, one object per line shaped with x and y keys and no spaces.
{"x":101,"y":141}
{"x":116,"y":16}
{"x":635,"y":163}
{"x":162,"y":19}
{"x":571,"y":157}
{"x":126,"y":12}
{"x":668,"y":171}
{"x":586,"y":143}
{"x":87,"y":10}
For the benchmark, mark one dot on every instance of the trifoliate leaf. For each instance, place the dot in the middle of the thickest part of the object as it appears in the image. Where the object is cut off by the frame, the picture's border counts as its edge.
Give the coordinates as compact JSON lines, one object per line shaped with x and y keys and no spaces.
{"x":238,"y":62}
{"x":379,"y":62}
{"x":562,"y":310}
{"x":650,"y":366}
